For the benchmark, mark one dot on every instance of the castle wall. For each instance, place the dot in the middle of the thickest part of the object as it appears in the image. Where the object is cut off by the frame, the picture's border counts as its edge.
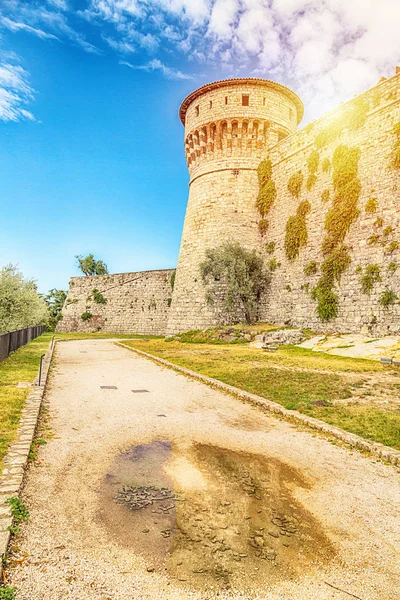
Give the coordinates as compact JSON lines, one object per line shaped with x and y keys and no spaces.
{"x":288,"y":299}
{"x":224,"y":142}
{"x":136,"y":303}
{"x":223,"y":193}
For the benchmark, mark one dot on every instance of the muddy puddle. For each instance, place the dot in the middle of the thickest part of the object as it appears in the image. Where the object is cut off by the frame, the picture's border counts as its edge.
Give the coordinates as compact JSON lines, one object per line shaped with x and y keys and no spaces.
{"x":212,"y":517}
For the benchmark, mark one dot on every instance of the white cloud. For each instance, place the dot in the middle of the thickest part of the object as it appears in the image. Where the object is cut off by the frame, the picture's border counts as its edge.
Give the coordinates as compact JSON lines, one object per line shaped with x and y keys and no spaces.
{"x":15,"y":93}
{"x":157,"y":65}
{"x":326,"y":50}
{"x":17,"y":26}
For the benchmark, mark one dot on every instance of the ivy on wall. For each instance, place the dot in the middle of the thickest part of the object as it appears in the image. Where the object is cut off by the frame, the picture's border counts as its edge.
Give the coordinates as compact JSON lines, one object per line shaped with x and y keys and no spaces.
{"x":312,"y":164}
{"x":371,"y":206}
{"x":395,"y":162}
{"x":326,"y":194}
{"x":266,"y":194}
{"x":296,"y":231}
{"x":343,"y":212}
{"x":311,"y":268}
{"x":326,"y":165}
{"x":295,"y":183}
{"x":369,"y":278}
{"x":353,"y":118}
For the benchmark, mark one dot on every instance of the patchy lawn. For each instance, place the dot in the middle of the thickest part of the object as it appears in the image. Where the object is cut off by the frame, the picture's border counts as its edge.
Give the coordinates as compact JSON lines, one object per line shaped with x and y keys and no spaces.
{"x":22,"y":365}
{"x":345,"y":392}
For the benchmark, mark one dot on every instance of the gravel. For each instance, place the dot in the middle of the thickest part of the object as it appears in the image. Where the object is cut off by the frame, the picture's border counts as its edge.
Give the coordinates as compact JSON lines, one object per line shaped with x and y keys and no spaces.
{"x":65,"y":551}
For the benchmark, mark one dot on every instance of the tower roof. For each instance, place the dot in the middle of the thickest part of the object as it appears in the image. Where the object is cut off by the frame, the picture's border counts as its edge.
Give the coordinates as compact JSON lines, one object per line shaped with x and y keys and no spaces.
{"x":240,"y":81}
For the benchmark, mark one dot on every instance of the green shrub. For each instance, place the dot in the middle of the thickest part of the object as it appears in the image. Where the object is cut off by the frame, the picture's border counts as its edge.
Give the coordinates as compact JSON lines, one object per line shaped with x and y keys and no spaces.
{"x":311,"y":268}
{"x":387,"y":298}
{"x":371,"y":206}
{"x":379,"y":222}
{"x":270,"y":247}
{"x":98,"y":297}
{"x":371,"y":276}
{"x":295,"y":183}
{"x":327,"y":302}
{"x":296,"y":231}
{"x":86,"y":316}
{"x":8,"y":593}
{"x":326,"y":165}
{"x":326,"y":194}
{"x":242,"y":274}
{"x":263,"y":225}
{"x":392,"y":267}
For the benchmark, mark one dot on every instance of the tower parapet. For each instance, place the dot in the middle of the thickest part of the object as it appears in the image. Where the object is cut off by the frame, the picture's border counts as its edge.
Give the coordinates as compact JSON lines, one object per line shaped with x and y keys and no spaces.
{"x":229,"y":127}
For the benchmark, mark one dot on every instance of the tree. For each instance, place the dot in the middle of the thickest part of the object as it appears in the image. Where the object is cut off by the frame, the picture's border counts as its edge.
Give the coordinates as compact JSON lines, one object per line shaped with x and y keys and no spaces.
{"x":20,"y":304}
{"x":90,"y":266}
{"x":241,"y":275}
{"x":55,"y":300}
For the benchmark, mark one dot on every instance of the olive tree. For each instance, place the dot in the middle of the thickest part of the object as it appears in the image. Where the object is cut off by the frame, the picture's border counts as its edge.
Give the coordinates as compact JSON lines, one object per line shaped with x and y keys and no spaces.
{"x":55,"y":300}
{"x":241,"y":277}
{"x":90,"y":266}
{"x":20,"y":303}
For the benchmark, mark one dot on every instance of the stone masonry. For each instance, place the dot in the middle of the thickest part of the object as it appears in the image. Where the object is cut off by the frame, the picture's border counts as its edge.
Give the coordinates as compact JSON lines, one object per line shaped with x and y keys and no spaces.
{"x":135,"y":303}
{"x":225,"y":142}
{"x":230,"y":127}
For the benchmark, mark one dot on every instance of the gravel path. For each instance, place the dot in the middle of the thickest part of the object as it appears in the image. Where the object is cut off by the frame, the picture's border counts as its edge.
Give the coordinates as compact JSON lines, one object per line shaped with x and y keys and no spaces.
{"x":184,"y":492}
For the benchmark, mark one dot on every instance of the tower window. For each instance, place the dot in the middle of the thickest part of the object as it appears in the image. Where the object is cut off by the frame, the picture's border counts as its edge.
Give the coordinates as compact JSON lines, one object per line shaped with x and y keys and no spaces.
{"x":235,"y":172}
{"x":245,"y":100}
{"x":197,"y":110}
{"x":226,"y":99}
{"x":210,"y":103}
{"x":264,"y":101}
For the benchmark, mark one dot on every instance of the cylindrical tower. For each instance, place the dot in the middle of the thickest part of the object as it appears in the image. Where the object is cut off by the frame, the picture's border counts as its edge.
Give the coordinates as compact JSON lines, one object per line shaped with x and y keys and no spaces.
{"x":229,"y":127}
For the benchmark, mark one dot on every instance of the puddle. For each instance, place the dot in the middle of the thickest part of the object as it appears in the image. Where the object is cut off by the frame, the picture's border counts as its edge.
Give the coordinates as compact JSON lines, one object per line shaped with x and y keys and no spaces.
{"x":212,"y":517}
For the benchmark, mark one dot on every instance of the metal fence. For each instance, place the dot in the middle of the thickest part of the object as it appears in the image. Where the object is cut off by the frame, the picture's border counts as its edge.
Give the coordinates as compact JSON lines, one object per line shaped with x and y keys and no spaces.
{"x":11,"y":341}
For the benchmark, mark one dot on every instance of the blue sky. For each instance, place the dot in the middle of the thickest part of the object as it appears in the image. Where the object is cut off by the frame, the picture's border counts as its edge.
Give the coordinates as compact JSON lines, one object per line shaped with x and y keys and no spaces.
{"x":91,"y":153}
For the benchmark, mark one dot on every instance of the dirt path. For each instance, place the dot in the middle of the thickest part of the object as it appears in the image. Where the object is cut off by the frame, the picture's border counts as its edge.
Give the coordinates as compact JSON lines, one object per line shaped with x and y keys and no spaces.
{"x":184,"y":492}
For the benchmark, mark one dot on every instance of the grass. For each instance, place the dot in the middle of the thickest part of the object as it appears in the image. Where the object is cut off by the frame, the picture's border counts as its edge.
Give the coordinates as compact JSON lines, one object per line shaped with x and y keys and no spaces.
{"x":22,"y":365}
{"x":103,"y":336}
{"x":294,"y":377}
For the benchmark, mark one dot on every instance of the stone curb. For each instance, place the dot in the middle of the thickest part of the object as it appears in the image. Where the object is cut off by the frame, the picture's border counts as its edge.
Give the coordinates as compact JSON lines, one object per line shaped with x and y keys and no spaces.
{"x":384,"y":452}
{"x":16,"y":459}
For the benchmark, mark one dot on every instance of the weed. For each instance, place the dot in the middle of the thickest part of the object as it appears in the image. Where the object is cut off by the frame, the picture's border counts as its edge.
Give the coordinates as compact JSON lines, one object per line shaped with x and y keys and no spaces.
{"x":371,"y":206}
{"x":387,"y":298}
{"x":295,"y":183}
{"x":296,"y":231}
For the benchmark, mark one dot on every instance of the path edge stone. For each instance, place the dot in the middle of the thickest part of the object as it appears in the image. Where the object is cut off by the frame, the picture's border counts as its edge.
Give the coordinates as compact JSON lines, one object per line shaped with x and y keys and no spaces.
{"x":385,"y":453}
{"x":16,"y":459}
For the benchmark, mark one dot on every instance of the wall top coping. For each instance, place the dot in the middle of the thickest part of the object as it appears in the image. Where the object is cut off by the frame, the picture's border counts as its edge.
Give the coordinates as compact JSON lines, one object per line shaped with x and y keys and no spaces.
{"x":151,"y":271}
{"x":242,"y":81}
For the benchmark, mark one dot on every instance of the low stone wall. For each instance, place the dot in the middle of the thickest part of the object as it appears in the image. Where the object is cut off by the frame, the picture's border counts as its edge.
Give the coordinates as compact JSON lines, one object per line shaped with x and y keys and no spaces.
{"x":128,"y":303}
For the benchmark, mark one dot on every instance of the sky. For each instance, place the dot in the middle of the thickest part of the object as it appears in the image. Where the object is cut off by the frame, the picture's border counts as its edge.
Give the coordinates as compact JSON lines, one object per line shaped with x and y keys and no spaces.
{"x":91,"y":146}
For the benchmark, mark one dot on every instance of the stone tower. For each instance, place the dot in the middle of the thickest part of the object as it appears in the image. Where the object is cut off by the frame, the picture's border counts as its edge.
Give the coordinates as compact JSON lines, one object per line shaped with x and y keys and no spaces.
{"x":229,"y":127}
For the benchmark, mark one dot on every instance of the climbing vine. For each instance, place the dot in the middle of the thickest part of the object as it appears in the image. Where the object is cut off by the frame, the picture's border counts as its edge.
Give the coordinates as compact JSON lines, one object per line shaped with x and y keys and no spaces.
{"x":267,"y":191}
{"x":296,"y":231}
{"x":387,"y":298}
{"x":263,"y":225}
{"x":371,"y":206}
{"x":343,"y":212}
{"x":295,"y":183}
{"x":311,"y":268}
{"x":312,"y":163}
{"x":326,"y":165}
{"x":353,"y":118}
{"x":98,"y":297}
{"x":326,"y":194}
{"x":370,"y":277}
{"x":395,"y":162}
{"x":270,"y":247}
